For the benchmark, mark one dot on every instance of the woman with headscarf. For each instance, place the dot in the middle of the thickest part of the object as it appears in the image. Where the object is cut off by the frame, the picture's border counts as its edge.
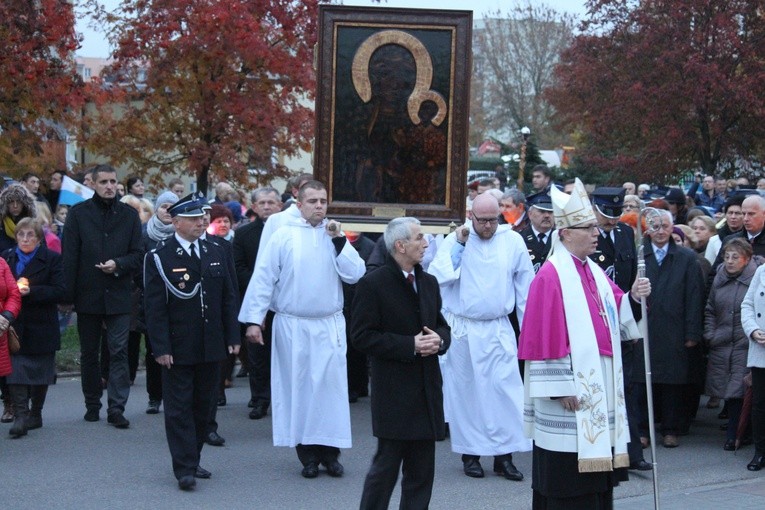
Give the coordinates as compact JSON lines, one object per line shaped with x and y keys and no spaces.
{"x":40,"y":280}
{"x":159,"y":227}
{"x":16,"y":203}
{"x":724,"y":334}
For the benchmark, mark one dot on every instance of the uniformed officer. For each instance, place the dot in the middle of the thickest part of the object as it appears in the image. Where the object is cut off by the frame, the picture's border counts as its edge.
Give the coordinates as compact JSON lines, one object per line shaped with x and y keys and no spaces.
{"x":617,"y":256}
{"x":538,"y":235}
{"x":191,"y":309}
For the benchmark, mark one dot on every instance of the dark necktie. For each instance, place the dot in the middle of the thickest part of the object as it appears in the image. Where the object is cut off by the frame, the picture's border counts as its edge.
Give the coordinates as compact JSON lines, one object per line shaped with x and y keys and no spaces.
{"x":541,"y":237}
{"x":193,"y":251}
{"x":410,"y":280}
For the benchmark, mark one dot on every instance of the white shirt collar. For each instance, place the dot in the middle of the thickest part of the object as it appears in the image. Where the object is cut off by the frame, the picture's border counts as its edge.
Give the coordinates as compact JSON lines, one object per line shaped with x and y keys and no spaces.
{"x":186,"y":244}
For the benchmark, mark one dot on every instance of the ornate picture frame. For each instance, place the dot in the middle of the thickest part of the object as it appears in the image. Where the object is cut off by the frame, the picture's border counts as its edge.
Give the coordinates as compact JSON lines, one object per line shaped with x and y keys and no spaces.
{"x":392,"y":107}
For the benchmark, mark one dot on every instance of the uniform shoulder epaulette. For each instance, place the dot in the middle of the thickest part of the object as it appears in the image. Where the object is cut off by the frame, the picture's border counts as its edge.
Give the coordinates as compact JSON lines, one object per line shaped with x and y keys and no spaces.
{"x":160,"y":244}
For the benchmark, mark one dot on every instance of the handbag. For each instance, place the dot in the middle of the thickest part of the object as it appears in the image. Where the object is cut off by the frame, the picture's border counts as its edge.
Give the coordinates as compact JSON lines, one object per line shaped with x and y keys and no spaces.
{"x":13,"y":341}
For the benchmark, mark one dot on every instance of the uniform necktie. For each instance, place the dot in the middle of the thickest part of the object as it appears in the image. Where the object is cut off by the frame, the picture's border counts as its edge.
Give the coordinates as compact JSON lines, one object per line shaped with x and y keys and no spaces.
{"x":541,"y":238}
{"x":660,"y":252}
{"x":193,"y":251}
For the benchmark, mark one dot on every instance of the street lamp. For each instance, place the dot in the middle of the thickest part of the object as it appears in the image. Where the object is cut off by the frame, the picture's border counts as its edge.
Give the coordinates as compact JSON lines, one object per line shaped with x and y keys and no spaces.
{"x":525,"y":134}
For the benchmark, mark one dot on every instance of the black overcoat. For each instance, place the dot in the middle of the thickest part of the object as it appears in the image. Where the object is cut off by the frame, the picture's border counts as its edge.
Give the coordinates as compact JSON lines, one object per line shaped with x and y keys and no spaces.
{"x":196,"y":330}
{"x":95,"y":232}
{"x":245,"y":249}
{"x":407,"y":395}
{"x":675,"y":315}
{"x":37,"y":324}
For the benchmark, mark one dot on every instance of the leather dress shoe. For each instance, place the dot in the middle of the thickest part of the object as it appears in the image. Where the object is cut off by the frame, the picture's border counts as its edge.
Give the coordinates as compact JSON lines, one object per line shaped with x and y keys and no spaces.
{"x":670,"y":441}
{"x":730,"y":445}
{"x":472,"y":466}
{"x":258,"y":411}
{"x":334,"y":468}
{"x":92,"y":415}
{"x":506,"y":468}
{"x":201,"y":472}
{"x":186,"y":483}
{"x":213,"y":439}
{"x":118,"y":420}
{"x":757,"y":462}
{"x":641,"y":465}
{"x":310,"y":470}
{"x":251,"y":403}
{"x":221,"y":401}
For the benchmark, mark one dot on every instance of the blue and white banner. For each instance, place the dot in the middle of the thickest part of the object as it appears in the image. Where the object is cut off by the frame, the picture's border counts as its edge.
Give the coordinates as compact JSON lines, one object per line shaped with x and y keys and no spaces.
{"x":72,"y":192}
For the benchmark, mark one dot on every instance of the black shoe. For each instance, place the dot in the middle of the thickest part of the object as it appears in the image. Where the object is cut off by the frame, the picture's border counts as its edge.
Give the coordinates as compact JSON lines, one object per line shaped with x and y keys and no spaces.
{"x":34,"y":421}
{"x":221,"y":401}
{"x":757,"y":462}
{"x":471,"y":466}
{"x":213,"y":439}
{"x":730,"y":445}
{"x":201,"y":472}
{"x":153,"y":407}
{"x":641,"y":465}
{"x":506,"y":468}
{"x":258,"y":412}
{"x":310,"y":470}
{"x":19,"y":427}
{"x":334,"y":468}
{"x":187,"y":483}
{"x":251,"y":403}
{"x":118,"y":420}
{"x":92,"y":415}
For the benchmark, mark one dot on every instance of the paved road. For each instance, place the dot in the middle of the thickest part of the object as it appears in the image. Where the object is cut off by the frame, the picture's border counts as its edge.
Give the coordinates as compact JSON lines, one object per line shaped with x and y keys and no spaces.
{"x":70,"y":464}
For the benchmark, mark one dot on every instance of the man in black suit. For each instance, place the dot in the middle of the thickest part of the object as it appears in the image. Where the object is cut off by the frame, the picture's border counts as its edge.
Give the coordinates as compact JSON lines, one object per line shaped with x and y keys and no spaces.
{"x":265,"y":202}
{"x":397,"y":321}
{"x":538,"y":235}
{"x":191,"y":305}
{"x":617,"y":256}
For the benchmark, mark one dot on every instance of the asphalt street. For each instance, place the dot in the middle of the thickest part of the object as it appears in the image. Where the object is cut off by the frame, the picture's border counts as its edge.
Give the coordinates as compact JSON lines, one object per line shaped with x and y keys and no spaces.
{"x":73,"y":464}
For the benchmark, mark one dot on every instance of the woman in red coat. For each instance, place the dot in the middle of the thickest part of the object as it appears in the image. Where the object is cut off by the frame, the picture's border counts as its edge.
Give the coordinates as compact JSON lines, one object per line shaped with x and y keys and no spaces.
{"x":10,"y":306}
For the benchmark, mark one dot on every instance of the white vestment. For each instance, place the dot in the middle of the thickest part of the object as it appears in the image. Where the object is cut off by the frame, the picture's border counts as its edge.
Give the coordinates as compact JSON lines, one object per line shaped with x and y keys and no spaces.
{"x":298,"y":275}
{"x":275,"y":222}
{"x":483,"y":391}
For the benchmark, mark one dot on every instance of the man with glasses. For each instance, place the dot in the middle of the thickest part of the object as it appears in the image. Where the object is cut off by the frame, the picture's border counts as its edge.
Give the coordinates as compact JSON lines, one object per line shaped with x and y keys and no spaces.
{"x":484,"y":274}
{"x":538,"y":235}
{"x":571,"y":338}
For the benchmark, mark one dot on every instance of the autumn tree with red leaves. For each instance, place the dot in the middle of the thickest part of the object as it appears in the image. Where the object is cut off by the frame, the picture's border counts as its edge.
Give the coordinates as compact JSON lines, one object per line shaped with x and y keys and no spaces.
{"x":40,"y":90}
{"x":207,"y":87}
{"x":659,"y":87}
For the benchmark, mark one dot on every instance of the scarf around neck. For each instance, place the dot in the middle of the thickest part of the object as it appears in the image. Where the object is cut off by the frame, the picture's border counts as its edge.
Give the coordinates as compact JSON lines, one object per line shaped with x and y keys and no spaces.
{"x":156,"y":230}
{"x":24,"y":259}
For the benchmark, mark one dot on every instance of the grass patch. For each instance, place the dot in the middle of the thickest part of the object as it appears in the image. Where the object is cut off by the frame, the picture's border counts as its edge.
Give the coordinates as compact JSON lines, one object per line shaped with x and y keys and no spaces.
{"x":68,"y":358}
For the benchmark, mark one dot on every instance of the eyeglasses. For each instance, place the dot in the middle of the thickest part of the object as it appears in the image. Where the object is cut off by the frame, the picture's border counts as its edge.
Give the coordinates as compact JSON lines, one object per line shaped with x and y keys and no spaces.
{"x":486,"y":221}
{"x":591,"y":228}
{"x":26,"y":235}
{"x":629,"y":207}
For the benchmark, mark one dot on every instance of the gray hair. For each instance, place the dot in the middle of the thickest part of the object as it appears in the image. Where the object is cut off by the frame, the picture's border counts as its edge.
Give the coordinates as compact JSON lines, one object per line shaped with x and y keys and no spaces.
{"x":265,"y":190}
{"x":515,"y":195}
{"x":399,"y":229}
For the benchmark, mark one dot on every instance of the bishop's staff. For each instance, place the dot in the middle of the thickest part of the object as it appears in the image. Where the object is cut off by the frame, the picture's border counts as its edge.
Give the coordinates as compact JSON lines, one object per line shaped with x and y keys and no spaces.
{"x":653,"y":219}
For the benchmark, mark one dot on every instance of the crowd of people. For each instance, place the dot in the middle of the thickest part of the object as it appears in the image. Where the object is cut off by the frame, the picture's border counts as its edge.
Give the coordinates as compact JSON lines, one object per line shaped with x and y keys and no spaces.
{"x":518,"y":330}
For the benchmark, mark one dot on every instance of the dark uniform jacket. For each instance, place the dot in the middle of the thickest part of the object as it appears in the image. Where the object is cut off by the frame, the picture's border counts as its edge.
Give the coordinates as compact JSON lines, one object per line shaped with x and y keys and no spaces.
{"x":199,"y":329}
{"x":245,"y":247}
{"x":675,"y":315}
{"x":407,"y":396}
{"x":537,"y":251}
{"x":94,"y":232}
{"x":618,"y":258}
{"x":37,"y":323}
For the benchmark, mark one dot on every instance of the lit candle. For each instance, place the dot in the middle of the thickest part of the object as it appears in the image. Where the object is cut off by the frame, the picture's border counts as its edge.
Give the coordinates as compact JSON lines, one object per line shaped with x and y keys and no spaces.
{"x":23,"y":283}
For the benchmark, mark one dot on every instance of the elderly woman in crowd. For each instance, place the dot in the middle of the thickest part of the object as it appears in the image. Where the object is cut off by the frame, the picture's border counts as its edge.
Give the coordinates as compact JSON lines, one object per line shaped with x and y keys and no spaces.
{"x":159,"y":227}
{"x":39,"y":279}
{"x":723,"y":333}
{"x":632,"y":203}
{"x":221,"y":221}
{"x":703,"y":230}
{"x":753,"y":322}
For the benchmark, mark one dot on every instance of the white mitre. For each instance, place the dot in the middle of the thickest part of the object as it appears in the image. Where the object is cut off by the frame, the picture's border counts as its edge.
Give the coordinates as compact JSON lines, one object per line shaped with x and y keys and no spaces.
{"x":571,"y":210}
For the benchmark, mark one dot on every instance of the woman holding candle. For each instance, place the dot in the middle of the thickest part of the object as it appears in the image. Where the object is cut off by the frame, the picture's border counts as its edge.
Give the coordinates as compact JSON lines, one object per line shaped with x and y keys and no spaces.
{"x":40,"y":282}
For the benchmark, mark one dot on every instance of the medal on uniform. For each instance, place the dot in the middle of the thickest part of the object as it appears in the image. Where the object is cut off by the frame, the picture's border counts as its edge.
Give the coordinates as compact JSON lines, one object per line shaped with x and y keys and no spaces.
{"x":186,"y":277}
{"x":533,"y":256}
{"x":601,"y":258}
{"x":181,"y":285}
{"x":179,"y":251}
